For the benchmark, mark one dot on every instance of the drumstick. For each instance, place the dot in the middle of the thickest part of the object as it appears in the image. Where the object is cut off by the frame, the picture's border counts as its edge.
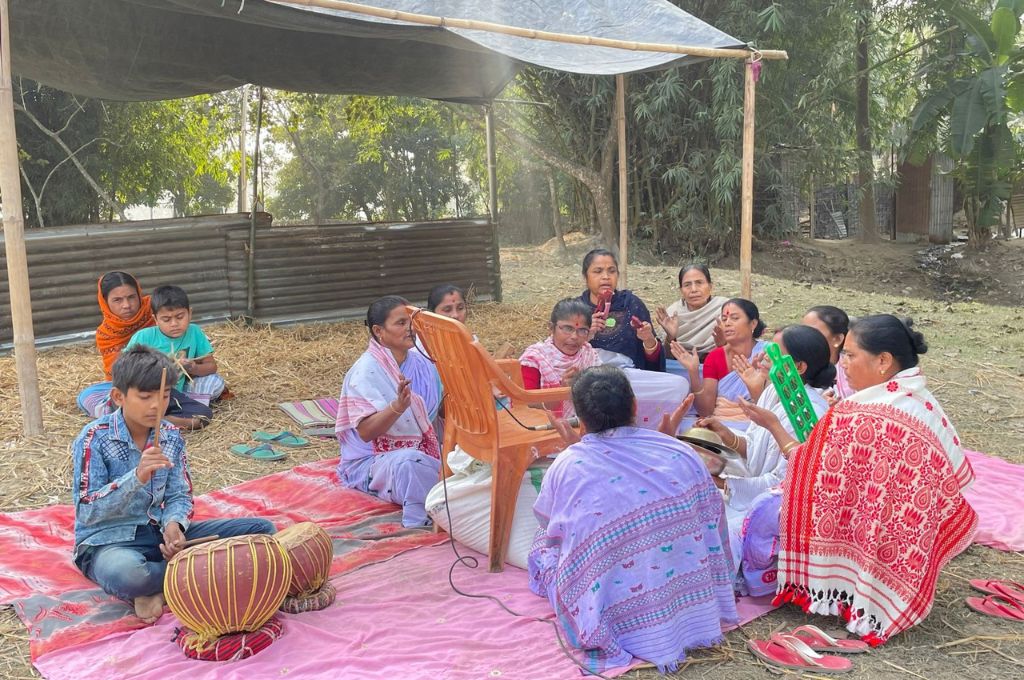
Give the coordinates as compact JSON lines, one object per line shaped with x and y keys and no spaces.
{"x":197,"y":541}
{"x":160,"y":407}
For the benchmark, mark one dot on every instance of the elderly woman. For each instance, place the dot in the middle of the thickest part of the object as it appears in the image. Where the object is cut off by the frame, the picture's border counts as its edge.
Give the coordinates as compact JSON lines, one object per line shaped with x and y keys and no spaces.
{"x":632,"y":549}
{"x":873,"y":506}
{"x":621,"y":327}
{"x":388,"y":401}
{"x":693,"y":320}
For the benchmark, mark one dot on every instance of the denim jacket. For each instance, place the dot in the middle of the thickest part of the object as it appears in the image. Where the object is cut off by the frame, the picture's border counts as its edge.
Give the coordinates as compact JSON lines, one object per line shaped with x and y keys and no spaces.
{"x":110,"y":501}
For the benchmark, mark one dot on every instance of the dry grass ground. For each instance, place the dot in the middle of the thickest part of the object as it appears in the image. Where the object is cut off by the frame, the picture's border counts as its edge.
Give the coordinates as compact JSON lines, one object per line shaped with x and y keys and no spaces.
{"x":976,"y":367}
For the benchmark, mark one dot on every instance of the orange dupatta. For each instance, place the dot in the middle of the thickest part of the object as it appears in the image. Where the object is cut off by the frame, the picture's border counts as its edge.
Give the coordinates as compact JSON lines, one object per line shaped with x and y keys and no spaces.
{"x":114,"y":332}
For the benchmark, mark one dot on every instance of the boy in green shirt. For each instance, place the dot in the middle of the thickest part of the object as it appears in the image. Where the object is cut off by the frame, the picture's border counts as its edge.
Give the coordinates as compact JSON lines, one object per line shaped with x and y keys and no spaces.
{"x":185,"y":343}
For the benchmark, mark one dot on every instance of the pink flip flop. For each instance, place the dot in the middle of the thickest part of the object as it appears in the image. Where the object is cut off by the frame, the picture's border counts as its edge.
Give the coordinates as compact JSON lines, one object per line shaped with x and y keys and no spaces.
{"x":1011,"y":590}
{"x":787,"y":651}
{"x":998,"y":607}
{"x":820,"y":641}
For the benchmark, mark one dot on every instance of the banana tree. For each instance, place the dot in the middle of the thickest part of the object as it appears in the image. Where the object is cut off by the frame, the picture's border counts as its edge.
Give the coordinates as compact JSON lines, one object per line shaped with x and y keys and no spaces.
{"x":971,"y":112}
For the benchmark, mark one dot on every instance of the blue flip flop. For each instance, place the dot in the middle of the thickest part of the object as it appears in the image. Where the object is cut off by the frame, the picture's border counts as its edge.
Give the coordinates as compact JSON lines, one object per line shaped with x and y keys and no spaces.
{"x":284,"y":438}
{"x":260,"y":452}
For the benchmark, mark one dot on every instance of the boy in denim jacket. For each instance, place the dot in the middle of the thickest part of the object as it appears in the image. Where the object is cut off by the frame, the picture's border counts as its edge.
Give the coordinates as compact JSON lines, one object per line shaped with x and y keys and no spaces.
{"x":133,"y":497}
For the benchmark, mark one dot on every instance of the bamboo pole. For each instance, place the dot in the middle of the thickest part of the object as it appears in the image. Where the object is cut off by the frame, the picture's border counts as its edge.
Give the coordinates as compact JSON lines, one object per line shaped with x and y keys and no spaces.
{"x":620,"y":121}
{"x":14,"y":242}
{"x":492,"y":194}
{"x":551,"y":36}
{"x":747,"y":180}
{"x":243,"y":183}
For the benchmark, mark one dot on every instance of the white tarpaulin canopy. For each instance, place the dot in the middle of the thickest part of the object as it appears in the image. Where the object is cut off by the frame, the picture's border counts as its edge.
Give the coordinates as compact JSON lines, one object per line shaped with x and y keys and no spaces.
{"x":163,"y":49}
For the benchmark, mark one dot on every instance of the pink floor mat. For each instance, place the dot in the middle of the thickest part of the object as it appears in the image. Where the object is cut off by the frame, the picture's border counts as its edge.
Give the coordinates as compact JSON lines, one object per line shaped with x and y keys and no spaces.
{"x":997,"y":495}
{"x":393,"y":619}
{"x":62,"y":608}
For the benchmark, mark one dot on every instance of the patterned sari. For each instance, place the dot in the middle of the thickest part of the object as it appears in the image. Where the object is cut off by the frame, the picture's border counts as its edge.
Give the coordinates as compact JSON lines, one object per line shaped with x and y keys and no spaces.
{"x":873,"y":509}
{"x":633,"y":549}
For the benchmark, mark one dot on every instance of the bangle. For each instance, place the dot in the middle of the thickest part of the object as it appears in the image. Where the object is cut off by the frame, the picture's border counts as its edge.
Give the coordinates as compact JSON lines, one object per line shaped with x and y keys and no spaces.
{"x":650,"y":349}
{"x":391,"y":405}
{"x":735,"y":442}
{"x":789,"y":447}
{"x":700,"y":391}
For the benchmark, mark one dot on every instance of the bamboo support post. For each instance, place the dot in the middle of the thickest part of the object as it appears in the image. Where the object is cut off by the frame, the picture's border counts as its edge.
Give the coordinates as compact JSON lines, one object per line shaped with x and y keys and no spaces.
{"x":243,"y":116}
{"x":492,"y":193}
{"x":620,"y":121}
{"x":14,"y":242}
{"x":551,"y":36}
{"x":747,"y":181}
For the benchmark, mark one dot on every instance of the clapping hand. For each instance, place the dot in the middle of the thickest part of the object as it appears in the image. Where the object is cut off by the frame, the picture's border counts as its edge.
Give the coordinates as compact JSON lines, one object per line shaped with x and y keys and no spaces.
{"x":688,"y":358}
{"x":569,"y":377}
{"x":404,"y":399}
{"x":563,"y":428}
{"x":757,"y":415}
{"x":751,"y":373}
{"x":670,"y":421}
{"x":669,"y":323}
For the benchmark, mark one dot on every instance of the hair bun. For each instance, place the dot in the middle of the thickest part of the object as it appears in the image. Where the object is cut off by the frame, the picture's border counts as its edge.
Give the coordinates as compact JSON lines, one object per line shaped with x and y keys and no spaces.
{"x":917,"y":340}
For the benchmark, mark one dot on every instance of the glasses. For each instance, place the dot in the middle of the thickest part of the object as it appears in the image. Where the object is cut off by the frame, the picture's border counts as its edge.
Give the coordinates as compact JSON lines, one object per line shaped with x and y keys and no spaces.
{"x":569,"y":330}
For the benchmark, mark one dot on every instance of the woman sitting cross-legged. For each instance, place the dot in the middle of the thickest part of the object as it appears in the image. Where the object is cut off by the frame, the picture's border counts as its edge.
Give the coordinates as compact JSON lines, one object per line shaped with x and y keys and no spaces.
{"x":872,"y":505}
{"x":388,"y":401}
{"x":632,"y":549}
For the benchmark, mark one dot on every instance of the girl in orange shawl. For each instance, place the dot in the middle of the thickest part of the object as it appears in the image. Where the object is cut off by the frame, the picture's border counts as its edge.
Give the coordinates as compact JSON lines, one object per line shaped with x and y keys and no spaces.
{"x":125,"y":310}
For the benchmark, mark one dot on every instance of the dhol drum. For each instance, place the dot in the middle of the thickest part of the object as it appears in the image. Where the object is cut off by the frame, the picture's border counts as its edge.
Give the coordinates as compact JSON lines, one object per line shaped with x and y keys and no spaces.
{"x":310,"y":550}
{"x":231,"y":585}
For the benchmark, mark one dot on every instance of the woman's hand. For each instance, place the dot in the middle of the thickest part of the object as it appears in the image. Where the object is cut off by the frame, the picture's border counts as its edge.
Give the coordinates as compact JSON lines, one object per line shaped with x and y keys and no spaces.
{"x":645,"y":332}
{"x":715,"y":425}
{"x":563,"y":428}
{"x":569,"y":377}
{"x":669,"y":323}
{"x":757,"y":415}
{"x":598,"y":318}
{"x":718,"y":334}
{"x":404,"y":399}
{"x":670,"y":421}
{"x":750,"y":374}
{"x":688,"y":358}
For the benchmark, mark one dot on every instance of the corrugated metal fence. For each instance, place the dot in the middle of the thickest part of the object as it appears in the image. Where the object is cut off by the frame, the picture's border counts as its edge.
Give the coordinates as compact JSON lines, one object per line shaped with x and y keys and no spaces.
{"x":303,"y":272}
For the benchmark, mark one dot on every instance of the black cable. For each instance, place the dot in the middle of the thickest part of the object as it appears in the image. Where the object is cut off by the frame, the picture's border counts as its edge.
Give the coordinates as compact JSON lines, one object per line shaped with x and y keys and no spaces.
{"x":472,"y":562}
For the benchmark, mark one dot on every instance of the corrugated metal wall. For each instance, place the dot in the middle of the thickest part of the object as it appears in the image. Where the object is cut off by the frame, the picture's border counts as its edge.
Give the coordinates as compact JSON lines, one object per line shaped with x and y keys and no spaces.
{"x":940,"y":224}
{"x":303,"y":272}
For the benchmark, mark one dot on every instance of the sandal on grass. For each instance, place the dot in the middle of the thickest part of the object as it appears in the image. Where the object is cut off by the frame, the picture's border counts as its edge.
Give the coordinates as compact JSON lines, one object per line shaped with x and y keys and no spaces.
{"x":998,"y":607}
{"x":284,"y":438}
{"x":260,"y":452}
{"x":786,"y":651}
{"x":820,"y":641}
{"x":1011,"y":590}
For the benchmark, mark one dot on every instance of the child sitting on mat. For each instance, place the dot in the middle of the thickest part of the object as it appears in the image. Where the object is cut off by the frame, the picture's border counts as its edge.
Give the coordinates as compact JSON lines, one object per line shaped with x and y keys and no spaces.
{"x":176,"y":336}
{"x":133,"y":494}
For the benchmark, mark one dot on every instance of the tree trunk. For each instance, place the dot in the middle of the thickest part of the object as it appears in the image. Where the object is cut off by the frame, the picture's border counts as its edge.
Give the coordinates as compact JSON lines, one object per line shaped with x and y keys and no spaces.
{"x":556,"y":216}
{"x":597,"y":182}
{"x":865,"y":154}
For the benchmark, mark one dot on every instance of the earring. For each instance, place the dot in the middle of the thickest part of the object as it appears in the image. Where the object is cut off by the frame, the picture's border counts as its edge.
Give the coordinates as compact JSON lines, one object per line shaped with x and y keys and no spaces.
{"x":881,"y":373}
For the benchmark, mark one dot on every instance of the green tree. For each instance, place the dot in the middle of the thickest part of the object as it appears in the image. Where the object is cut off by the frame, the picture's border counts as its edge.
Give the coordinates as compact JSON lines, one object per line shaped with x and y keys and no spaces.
{"x":969,"y":114}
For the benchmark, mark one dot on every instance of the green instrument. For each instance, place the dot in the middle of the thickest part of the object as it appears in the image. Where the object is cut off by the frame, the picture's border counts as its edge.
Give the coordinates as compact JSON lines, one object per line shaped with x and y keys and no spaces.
{"x":792,"y":393}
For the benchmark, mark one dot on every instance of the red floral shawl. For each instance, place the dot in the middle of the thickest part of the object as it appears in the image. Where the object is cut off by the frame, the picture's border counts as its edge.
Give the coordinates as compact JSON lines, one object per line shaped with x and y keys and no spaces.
{"x":873,"y":509}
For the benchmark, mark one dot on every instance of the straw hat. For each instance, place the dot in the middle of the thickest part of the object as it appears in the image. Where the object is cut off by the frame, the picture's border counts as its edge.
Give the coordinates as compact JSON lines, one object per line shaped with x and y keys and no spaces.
{"x":710,"y":442}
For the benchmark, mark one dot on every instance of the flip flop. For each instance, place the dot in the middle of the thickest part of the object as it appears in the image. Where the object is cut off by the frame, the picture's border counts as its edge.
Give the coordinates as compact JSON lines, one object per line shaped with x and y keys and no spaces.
{"x":1011,"y":590}
{"x":820,"y":641}
{"x":284,"y":438}
{"x":261,"y":452}
{"x":998,"y":607}
{"x":786,"y":651}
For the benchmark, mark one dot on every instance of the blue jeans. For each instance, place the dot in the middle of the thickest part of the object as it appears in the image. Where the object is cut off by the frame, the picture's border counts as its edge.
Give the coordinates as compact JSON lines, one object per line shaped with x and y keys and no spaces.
{"x":136,"y":568}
